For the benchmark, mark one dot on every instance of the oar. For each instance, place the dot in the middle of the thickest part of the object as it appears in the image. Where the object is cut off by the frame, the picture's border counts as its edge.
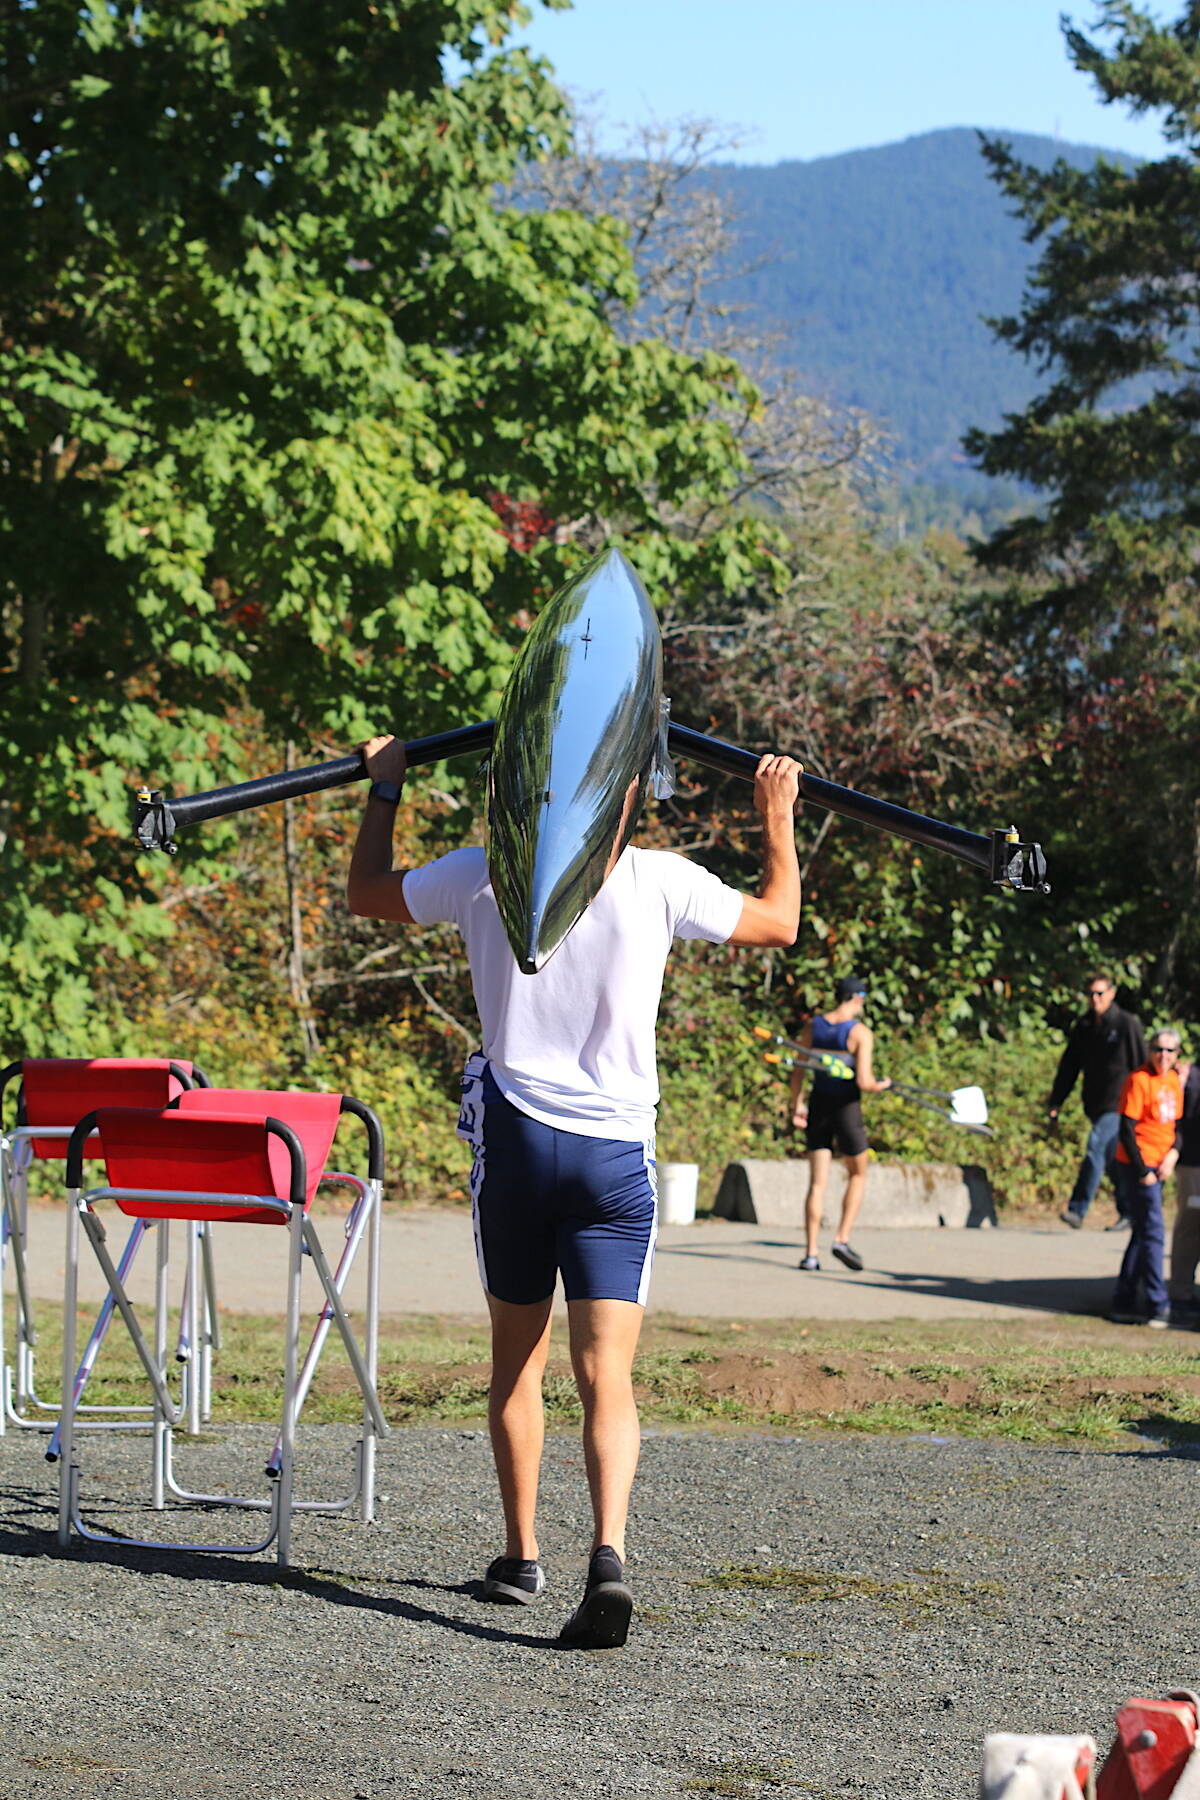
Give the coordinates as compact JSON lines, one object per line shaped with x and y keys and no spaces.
{"x":831,"y":1062}
{"x":967,"y":1105}
{"x":156,"y":818}
{"x":1002,"y":856}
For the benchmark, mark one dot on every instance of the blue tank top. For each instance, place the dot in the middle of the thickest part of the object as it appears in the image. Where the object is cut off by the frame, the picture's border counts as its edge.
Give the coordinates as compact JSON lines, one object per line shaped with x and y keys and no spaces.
{"x":827,"y":1036}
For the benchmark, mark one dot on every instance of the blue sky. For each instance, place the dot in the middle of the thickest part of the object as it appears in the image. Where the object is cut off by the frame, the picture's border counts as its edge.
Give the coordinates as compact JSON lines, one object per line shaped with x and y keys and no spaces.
{"x":806,"y":78}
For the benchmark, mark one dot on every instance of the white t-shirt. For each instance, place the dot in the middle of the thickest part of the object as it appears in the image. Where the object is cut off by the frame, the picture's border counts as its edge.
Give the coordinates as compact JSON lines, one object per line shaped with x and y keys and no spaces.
{"x":573,"y":1045}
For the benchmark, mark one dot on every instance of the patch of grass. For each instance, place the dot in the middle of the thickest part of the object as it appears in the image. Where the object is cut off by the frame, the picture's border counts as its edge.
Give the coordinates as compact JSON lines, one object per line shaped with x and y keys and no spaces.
{"x":924,"y":1591}
{"x":67,"y":1761}
{"x":739,"y":1778}
{"x":1057,"y":1380}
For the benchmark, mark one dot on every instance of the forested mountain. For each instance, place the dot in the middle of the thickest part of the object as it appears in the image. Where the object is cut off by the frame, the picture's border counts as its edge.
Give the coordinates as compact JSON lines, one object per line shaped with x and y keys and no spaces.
{"x":876,"y":266}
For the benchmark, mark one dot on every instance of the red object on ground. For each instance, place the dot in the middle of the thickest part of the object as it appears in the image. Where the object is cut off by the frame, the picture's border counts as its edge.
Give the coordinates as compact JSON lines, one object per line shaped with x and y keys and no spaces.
{"x":1154,"y":1740}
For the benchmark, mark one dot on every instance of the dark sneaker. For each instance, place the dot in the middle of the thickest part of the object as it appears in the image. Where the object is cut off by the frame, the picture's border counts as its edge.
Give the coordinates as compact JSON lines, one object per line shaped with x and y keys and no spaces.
{"x":1159,"y":1321}
{"x":810,"y":1262}
{"x":601,"y":1620}
{"x":1074,"y":1220}
{"x":846,"y":1255}
{"x":1119,"y":1317}
{"x":1121,"y":1224}
{"x":511,"y":1582}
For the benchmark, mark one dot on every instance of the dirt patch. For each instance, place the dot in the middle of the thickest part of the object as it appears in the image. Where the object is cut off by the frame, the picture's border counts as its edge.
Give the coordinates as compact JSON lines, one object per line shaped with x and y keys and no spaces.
{"x":807,"y":1384}
{"x":803,"y":1384}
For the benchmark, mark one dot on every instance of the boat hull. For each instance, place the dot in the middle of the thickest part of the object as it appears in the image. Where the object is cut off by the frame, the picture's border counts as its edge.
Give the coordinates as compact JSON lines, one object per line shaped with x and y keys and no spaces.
{"x":577,"y":736}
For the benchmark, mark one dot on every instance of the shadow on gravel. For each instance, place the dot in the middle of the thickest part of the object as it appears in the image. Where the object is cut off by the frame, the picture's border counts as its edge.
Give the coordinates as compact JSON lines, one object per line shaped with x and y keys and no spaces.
{"x":332,"y":1588}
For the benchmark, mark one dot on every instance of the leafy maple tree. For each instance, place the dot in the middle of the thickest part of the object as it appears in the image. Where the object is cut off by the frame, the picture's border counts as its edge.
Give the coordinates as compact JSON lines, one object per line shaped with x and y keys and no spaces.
{"x":271,"y":351}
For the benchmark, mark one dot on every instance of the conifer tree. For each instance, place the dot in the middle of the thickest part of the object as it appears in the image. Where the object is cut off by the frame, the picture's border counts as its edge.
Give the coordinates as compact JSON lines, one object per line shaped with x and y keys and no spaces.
{"x":1107,"y":626}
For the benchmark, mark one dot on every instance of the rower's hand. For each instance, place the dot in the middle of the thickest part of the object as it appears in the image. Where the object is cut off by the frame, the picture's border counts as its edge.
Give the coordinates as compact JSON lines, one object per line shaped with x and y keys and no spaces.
{"x":777,"y":785}
{"x":385,"y":758}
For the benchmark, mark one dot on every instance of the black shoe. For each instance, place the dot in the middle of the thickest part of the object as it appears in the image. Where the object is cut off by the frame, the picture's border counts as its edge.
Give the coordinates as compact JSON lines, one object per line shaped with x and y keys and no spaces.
{"x":810,"y":1262}
{"x":1121,"y":1224}
{"x":846,"y":1255}
{"x":1073,"y":1219}
{"x":601,"y":1620}
{"x":1119,"y":1316}
{"x":511,"y":1582}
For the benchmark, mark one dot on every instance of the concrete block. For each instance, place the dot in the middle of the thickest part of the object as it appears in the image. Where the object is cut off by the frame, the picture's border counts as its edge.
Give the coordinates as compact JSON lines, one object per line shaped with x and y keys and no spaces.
{"x":900,"y":1194}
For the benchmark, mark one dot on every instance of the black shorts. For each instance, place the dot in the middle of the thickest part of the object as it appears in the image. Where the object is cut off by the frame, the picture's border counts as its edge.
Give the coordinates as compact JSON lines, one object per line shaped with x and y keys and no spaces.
{"x":835,"y":1124}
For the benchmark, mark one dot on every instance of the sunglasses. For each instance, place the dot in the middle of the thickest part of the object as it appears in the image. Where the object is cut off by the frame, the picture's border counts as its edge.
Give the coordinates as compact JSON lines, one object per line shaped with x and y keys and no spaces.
{"x":1095,"y":993}
{"x":1164,"y":1049}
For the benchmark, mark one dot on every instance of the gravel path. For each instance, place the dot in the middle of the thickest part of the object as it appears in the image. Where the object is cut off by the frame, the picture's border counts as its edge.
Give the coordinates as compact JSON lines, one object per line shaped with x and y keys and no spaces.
{"x":947,"y":1589}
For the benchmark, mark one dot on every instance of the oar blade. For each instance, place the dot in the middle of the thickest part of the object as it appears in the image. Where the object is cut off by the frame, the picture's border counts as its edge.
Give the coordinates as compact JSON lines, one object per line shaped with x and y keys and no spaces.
{"x":968,"y":1106}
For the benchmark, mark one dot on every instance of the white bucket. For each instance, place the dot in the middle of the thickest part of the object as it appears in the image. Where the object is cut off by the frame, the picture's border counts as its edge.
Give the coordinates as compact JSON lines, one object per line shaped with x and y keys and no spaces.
{"x":677,"y":1183}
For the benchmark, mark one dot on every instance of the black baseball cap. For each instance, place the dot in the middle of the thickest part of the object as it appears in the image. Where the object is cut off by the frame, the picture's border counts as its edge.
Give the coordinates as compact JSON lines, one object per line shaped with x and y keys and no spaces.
{"x":848,"y":986}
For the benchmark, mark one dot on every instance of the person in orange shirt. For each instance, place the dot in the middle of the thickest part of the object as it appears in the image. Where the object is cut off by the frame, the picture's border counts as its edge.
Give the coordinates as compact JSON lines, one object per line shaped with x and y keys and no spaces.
{"x":1151,"y":1108}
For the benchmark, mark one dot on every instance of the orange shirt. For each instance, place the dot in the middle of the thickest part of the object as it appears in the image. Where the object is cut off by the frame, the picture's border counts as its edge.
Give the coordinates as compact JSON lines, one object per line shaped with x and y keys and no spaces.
{"x":1155,"y":1104}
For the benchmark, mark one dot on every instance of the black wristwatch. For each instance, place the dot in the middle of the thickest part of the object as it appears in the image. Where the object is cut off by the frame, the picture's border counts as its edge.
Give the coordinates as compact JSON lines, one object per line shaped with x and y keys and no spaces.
{"x":387,"y":791}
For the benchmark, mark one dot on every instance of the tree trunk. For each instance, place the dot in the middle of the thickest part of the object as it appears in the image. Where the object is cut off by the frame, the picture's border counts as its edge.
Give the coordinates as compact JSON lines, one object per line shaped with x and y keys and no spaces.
{"x":34,"y":619}
{"x":310,"y":1043}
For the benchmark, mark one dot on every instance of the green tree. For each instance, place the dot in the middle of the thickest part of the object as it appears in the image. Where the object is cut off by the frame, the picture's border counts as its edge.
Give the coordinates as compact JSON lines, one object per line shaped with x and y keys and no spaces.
{"x":277,"y":366}
{"x":1104,"y":616}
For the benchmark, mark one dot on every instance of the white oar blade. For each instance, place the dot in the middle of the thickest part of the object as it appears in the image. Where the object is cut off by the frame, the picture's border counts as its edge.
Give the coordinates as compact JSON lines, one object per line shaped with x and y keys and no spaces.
{"x":968,"y":1106}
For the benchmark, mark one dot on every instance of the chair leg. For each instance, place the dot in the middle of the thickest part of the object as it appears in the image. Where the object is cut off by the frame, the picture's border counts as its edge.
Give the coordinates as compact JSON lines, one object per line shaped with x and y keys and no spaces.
{"x":291,"y":1368}
{"x":192,"y":1305}
{"x":210,"y":1325}
{"x":15,"y":1178}
{"x":160,"y":1448}
{"x":341,"y":1320}
{"x":66,"y":1417}
{"x":374,"y":1241}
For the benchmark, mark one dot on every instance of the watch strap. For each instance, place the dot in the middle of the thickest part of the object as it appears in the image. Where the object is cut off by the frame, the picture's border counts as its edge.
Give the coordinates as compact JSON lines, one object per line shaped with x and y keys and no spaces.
{"x":387,"y":791}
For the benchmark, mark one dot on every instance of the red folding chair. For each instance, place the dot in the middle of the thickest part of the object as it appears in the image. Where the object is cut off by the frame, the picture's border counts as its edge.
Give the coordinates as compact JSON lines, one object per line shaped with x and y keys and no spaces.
{"x":52,"y":1095}
{"x":234,"y":1158}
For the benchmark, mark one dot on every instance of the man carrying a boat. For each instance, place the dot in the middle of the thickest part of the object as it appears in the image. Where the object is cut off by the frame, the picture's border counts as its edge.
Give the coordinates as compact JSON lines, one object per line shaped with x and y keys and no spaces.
{"x":559,"y":1108}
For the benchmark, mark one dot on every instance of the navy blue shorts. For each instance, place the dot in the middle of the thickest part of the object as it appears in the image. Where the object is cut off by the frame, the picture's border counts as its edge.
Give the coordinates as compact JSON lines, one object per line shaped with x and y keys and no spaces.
{"x":545,"y":1200}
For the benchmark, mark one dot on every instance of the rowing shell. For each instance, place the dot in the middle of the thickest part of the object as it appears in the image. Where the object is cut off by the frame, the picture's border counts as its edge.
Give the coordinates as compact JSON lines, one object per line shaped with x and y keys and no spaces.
{"x":578,"y":738}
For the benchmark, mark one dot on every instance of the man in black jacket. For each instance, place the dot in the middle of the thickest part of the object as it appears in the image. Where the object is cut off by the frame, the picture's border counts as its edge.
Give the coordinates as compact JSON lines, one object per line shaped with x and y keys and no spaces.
{"x":1185,"y":1240}
{"x":1105,"y":1045}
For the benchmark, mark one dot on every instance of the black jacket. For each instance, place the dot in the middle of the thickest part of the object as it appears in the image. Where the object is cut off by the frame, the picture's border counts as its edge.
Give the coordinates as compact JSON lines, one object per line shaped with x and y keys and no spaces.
{"x":1189,"y":1131}
{"x":1105,"y":1050}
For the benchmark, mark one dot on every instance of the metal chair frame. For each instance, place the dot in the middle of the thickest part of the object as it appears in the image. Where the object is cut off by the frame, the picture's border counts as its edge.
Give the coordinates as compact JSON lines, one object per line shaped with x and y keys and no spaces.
{"x":168,"y":1413}
{"x":20,"y":1403}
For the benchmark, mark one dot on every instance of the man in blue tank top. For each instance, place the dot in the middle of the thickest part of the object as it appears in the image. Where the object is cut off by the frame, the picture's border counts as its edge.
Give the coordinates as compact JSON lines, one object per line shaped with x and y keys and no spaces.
{"x":832,"y":1117}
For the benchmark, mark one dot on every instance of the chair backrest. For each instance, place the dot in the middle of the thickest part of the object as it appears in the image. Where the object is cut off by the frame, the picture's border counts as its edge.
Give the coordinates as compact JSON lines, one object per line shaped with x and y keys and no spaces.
{"x":58,"y":1091}
{"x":170,"y":1152}
{"x":313,"y":1117}
{"x":220,"y":1141}
{"x":307,"y":1112}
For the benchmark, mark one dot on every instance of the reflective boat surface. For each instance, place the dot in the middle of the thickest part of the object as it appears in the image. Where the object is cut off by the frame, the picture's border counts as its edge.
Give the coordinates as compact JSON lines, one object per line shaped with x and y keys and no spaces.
{"x":575,"y":745}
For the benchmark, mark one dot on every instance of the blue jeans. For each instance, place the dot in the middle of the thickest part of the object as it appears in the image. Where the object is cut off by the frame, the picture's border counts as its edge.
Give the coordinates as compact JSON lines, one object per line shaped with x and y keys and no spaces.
{"x":1097,"y":1163}
{"x":1143,"y":1262}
